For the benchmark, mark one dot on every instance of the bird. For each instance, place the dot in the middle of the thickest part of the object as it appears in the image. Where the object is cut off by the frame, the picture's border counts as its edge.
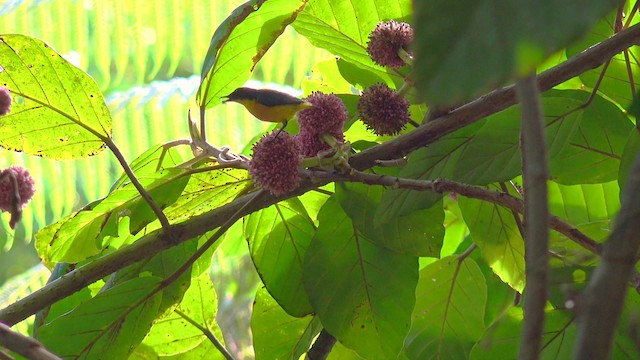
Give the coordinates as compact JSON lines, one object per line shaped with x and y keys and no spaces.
{"x":268,"y":105}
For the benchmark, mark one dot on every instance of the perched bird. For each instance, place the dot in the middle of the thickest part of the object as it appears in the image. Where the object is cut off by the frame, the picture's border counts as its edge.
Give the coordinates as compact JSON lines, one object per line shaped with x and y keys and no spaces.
{"x":268,"y":105}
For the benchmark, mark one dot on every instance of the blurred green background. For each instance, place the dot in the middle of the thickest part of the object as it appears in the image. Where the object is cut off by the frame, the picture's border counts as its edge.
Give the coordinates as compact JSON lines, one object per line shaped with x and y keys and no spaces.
{"x":146,"y":57}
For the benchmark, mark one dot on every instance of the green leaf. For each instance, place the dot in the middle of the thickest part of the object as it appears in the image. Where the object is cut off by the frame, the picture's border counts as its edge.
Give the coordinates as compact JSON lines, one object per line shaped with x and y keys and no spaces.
{"x":278,"y":335}
{"x":362,"y":293}
{"x":173,"y":335}
{"x":502,"y":339}
{"x":482,"y":153}
{"x":420,"y":233}
{"x":493,"y":153}
{"x":58,"y":111}
{"x":81,"y":235}
{"x":449,"y":314}
{"x":239,"y":43}
{"x":496,"y":233}
{"x":207,"y":191}
{"x":593,"y":153}
{"x":278,"y":238}
{"x":343,"y":28}
{"x":591,"y":208}
{"x":437,"y":160}
{"x":510,"y":38}
{"x":616,"y":83}
{"x":629,"y":157}
{"x":110,"y":325}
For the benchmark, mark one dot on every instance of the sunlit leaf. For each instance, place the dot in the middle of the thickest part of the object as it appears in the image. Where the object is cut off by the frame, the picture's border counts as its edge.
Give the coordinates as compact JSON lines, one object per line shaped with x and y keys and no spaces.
{"x":240,"y":42}
{"x":620,"y":73}
{"x":343,"y":28}
{"x":58,"y":111}
{"x":591,"y":208}
{"x":278,"y":238}
{"x":449,"y":314}
{"x":495,"y":231}
{"x":207,"y":191}
{"x":173,"y":335}
{"x":278,"y":335}
{"x":81,"y":235}
{"x":362,"y":293}
{"x":629,"y":157}
{"x":509,"y":38}
{"x":110,"y":325}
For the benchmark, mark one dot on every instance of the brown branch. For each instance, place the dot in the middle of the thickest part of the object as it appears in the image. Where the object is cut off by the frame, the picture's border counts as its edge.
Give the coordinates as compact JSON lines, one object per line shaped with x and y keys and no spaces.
{"x":24,"y":345}
{"x":600,"y":305}
{"x":157,"y":241}
{"x":443,"y":186}
{"x":322,"y":346}
{"x":536,"y":217}
{"x":495,"y":101}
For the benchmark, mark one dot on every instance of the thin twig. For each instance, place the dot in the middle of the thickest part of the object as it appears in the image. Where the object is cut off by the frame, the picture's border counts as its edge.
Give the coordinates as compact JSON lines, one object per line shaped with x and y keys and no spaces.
{"x":214,"y":340}
{"x":442,"y":186}
{"x":536,"y":217}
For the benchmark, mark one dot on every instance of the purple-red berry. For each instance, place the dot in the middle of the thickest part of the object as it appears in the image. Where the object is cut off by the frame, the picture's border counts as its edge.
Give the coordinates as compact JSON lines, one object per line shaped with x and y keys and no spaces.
{"x":327,"y":116}
{"x":382,"y":110}
{"x":5,"y":101}
{"x":26,"y":187}
{"x":275,"y":163}
{"x":386,"y":39}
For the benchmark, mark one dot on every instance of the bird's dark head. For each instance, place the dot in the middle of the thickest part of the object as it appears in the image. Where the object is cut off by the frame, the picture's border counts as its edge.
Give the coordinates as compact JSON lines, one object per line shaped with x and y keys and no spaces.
{"x":242,"y":93}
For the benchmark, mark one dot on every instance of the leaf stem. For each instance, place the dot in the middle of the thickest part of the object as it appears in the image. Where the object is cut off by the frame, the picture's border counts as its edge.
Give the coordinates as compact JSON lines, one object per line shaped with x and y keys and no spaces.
{"x":136,"y":183}
{"x":214,"y":340}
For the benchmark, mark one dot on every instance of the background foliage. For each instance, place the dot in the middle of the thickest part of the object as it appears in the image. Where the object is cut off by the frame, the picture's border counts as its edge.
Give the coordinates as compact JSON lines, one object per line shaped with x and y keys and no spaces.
{"x":388,"y":272}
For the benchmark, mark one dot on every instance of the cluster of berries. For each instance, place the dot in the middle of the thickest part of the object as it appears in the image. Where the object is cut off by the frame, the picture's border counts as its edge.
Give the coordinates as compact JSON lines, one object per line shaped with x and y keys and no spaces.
{"x":278,"y":157}
{"x":16,"y":184}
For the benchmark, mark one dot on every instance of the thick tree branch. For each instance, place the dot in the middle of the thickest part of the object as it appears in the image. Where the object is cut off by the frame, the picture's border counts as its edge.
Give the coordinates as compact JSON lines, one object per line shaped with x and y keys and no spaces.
{"x":601,"y":303}
{"x":536,"y":217}
{"x":157,"y":241}
{"x":23,"y":345}
{"x":495,"y":101}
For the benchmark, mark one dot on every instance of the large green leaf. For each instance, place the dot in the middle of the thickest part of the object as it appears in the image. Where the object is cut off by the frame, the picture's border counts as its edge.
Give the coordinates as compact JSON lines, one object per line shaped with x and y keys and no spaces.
{"x":173,"y":334}
{"x":207,"y":191}
{"x":343,"y":28}
{"x":420,"y":233}
{"x":82,"y":234}
{"x":617,"y":81}
{"x":362,"y":293}
{"x":482,"y":153}
{"x":509,"y":38}
{"x":629,"y":157}
{"x":593,"y":154}
{"x":496,"y":233}
{"x":240,"y":42}
{"x":278,"y":335}
{"x":58,"y":111}
{"x":591,"y":208}
{"x":449,"y":314}
{"x":278,"y":238}
{"x":110,"y":325}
